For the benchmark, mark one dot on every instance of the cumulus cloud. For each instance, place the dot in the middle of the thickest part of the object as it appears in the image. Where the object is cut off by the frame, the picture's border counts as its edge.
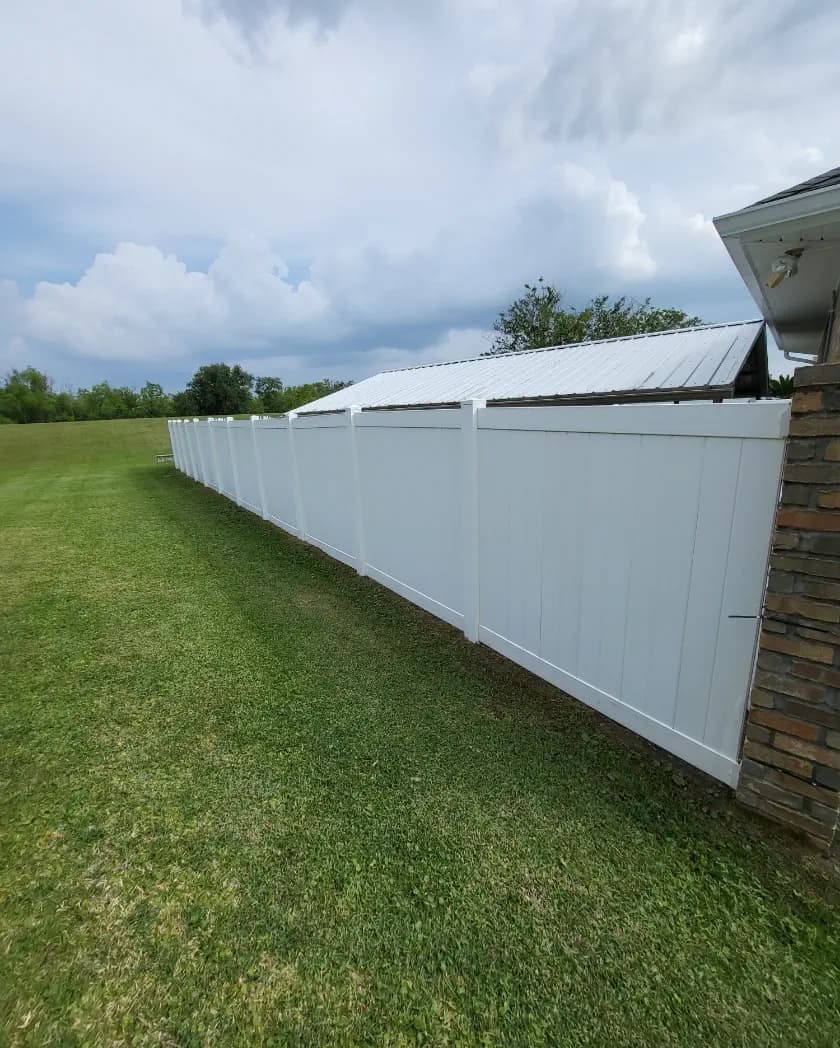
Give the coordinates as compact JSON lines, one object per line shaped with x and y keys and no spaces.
{"x":454,"y":344}
{"x":324,"y":183}
{"x":11,"y":341}
{"x":617,"y":224}
{"x":136,"y":303}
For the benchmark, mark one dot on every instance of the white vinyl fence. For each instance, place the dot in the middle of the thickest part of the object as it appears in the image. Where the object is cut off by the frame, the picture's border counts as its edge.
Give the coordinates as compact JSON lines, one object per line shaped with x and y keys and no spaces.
{"x":619,"y":552}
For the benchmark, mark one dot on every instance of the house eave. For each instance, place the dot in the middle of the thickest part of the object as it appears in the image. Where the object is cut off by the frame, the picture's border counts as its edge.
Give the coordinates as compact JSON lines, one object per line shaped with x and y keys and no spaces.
{"x":808,"y":220}
{"x":803,"y":206}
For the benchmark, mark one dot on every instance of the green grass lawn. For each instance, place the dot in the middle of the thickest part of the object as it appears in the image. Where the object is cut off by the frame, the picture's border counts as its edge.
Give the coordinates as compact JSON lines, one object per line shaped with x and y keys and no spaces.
{"x":247,"y":797}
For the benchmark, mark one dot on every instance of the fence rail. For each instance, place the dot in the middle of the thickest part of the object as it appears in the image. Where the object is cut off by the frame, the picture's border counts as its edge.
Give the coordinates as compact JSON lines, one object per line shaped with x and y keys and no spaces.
{"x":619,"y":552}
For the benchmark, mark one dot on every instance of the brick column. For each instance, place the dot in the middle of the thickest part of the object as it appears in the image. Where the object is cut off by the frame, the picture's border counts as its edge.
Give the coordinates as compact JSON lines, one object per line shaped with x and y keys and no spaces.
{"x":791,"y":759}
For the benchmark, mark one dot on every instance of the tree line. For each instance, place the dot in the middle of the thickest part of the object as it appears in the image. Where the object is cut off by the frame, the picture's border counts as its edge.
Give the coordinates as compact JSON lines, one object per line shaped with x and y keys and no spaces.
{"x":28,"y":395}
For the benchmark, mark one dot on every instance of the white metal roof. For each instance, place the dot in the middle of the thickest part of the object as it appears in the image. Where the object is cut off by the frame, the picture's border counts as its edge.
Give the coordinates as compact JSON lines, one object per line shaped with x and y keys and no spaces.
{"x":692,"y":359}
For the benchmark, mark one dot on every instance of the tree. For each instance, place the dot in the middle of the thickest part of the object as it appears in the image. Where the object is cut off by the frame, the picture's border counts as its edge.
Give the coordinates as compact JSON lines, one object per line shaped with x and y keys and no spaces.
{"x":218,"y":389}
{"x":152,"y":402}
{"x":64,"y":407}
{"x":782,"y":386}
{"x":538,"y":318}
{"x":183,"y":404}
{"x":269,"y":394}
{"x":106,"y":401}
{"x":27,"y":396}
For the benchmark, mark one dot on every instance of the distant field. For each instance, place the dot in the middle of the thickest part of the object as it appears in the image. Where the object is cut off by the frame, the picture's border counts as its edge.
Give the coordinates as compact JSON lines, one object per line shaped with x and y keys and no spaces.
{"x":79,"y":446}
{"x":248,"y":797}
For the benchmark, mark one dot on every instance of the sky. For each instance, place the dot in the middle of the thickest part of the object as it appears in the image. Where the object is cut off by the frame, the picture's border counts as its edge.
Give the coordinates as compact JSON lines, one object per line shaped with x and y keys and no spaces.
{"x":321,"y":188}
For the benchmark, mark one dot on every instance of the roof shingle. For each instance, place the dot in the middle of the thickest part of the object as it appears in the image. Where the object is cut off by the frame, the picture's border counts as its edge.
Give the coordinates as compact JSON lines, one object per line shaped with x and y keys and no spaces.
{"x":823,"y":181}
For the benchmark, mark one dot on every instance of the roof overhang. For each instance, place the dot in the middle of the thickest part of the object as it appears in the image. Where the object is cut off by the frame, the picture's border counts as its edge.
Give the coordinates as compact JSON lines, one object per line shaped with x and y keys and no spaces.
{"x":795,"y":310}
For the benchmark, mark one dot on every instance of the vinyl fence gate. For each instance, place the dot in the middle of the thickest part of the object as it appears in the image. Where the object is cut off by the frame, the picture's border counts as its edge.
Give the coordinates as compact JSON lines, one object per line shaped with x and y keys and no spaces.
{"x":618,"y":551}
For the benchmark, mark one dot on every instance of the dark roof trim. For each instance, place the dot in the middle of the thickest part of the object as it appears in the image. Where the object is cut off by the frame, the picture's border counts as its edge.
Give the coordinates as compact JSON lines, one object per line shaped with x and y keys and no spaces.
{"x":824,"y":181}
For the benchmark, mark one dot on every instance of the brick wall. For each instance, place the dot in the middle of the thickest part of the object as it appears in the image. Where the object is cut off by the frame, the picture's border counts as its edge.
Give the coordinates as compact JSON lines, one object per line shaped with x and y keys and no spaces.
{"x":791,"y":759}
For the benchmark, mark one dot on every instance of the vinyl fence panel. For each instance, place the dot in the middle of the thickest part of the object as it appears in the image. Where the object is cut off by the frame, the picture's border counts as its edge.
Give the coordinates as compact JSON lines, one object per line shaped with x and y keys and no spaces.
{"x":192,"y":451}
{"x":221,"y":454}
{"x":323,"y":455}
{"x":247,"y":476}
{"x":274,"y":459}
{"x":628,"y":567}
{"x":201,"y":452}
{"x":174,"y":441}
{"x":410,"y":479}
{"x":185,"y":448}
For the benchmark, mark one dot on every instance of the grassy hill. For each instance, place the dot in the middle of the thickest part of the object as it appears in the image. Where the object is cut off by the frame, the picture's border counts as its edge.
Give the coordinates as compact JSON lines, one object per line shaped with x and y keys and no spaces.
{"x":55,"y":446}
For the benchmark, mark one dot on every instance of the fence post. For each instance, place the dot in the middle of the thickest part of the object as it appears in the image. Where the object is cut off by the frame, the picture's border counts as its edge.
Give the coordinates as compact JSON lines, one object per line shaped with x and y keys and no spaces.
{"x":352,"y":415}
{"x":258,"y":468}
{"x":217,"y":473}
{"x":300,"y":513}
{"x":233,"y":468}
{"x":192,"y":446}
{"x":469,"y":485}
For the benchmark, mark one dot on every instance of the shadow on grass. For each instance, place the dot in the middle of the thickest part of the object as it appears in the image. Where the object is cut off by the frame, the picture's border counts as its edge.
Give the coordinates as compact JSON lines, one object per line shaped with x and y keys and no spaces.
{"x":590,"y":770}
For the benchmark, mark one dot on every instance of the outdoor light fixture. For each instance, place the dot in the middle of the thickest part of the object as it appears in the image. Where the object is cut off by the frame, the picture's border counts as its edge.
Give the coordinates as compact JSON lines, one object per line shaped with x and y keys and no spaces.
{"x":786,"y":265}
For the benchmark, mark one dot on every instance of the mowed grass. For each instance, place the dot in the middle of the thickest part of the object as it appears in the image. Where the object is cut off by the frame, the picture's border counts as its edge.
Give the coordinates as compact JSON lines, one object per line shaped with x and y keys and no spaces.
{"x":248,"y":797}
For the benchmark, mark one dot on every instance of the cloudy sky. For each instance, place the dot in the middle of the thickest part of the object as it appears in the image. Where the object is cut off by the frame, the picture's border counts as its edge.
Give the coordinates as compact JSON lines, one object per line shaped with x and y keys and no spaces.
{"x":330,"y":187}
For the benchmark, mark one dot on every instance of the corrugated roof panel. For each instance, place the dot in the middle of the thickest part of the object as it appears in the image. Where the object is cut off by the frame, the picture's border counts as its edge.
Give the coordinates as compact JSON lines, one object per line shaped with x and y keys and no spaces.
{"x":689,"y":358}
{"x":727,"y":370}
{"x":698,"y":367}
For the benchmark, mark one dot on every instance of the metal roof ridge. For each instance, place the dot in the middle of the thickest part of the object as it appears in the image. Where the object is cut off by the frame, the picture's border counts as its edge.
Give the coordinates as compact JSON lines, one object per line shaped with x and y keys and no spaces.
{"x":575,"y":345}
